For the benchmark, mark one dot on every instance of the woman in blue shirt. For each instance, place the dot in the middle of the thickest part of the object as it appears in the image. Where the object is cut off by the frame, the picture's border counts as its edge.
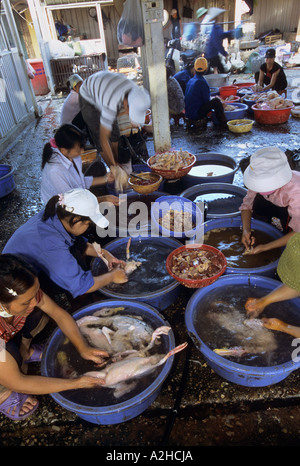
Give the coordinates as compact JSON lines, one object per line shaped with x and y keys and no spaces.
{"x":185,"y":75}
{"x":197,"y":97}
{"x":50,"y":242}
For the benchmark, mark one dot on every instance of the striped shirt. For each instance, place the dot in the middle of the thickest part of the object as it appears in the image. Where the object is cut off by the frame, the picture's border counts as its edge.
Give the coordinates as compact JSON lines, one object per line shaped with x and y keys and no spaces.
{"x":8,"y":330}
{"x":106,"y":91}
{"x":125,"y":125}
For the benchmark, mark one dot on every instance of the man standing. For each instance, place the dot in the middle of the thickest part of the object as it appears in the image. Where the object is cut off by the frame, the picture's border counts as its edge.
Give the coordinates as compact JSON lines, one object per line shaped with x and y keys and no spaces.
{"x":101,"y":97}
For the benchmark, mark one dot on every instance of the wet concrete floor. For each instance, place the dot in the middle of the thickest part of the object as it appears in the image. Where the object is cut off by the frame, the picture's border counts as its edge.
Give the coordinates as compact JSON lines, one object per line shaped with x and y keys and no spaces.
{"x":196,"y":407}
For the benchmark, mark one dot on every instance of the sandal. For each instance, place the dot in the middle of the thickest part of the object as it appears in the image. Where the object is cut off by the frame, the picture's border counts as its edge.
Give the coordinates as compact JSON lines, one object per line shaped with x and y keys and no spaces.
{"x":18,"y":400}
{"x":36,"y":355}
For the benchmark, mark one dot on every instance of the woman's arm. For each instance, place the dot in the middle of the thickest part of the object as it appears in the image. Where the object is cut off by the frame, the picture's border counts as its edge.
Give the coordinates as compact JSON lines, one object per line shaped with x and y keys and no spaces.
{"x":277,"y":243}
{"x":276,"y":324}
{"x":246,"y":222}
{"x":115,"y":276}
{"x":95,"y":249}
{"x":260,"y":78}
{"x":254,"y":307}
{"x":107,"y":152}
{"x":12,"y":379}
{"x":100,"y":180}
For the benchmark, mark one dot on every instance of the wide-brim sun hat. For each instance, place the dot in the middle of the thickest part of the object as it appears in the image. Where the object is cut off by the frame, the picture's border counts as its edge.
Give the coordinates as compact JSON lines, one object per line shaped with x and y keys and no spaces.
{"x":289,"y":263}
{"x":201,"y":11}
{"x":139,"y":103}
{"x":84,"y":203}
{"x":268,"y":170}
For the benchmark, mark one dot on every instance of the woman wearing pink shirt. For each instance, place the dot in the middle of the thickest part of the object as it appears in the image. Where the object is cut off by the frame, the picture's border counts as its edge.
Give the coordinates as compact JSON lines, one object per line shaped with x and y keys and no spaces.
{"x":273,"y":191}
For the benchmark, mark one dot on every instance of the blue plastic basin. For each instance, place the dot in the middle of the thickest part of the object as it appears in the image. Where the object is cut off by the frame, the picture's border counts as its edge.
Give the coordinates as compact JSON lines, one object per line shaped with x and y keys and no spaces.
{"x":211,"y":158}
{"x":7,"y":183}
{"x":119,"y":412}
{"x":240,"y":374}
{"x":226,"y":205}
{"x":162,"y":297}
{"x":163,"y":204}
{"x":266,"y":270}
{"x":249,"y":103}
{"x":236,"y":114}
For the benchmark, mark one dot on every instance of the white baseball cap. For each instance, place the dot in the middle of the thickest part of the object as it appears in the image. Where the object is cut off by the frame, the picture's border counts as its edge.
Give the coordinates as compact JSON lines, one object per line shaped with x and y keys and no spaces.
{"x":269,"y":169}
{"x":83,"y":202}
{"x":138,"y":103}
{"x":74,"y":79}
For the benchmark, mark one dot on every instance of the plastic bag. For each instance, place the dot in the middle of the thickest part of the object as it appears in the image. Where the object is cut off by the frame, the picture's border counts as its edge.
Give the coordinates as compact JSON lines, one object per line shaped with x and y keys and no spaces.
{"x":130,"y":29}
{"x":30,"y":70}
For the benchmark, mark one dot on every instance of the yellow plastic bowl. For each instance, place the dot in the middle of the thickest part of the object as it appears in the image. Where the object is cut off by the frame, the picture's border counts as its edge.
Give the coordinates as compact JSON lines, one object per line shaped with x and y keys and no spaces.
{"x":240,"y":126}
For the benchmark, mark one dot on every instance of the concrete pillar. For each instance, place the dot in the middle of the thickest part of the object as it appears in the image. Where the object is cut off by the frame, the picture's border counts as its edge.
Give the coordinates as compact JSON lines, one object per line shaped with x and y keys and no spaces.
{"x":154,"y":65}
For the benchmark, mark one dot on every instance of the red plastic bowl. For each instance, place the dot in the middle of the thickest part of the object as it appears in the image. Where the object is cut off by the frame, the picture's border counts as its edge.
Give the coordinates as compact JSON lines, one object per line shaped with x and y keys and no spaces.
{"x":226,"y":91}
{"x":271,"y":117}
{"x":203,"y":281}
{"x":241,"y":85}
{"x":172,"y":174}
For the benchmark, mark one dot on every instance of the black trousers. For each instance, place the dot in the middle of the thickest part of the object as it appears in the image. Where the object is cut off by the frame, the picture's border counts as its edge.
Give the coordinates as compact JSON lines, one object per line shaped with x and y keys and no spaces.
{"x":216,"y":105}
{"x":215,"y":62}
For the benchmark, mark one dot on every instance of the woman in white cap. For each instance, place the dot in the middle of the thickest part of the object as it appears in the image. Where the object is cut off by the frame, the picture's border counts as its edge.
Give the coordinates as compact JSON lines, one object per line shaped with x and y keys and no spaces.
{"x":53,"y":242}
{"x":273,"y":191}
{"x":24,"y":312}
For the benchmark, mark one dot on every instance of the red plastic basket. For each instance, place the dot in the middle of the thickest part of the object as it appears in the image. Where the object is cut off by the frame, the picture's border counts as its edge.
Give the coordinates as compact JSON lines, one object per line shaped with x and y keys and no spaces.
{"x":172,"y":174}
{"x":203,"y":281}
